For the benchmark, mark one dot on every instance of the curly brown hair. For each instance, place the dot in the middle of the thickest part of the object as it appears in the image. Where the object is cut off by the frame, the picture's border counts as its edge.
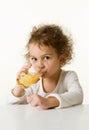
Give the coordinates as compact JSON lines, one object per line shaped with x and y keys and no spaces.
{"x":52,"y":35}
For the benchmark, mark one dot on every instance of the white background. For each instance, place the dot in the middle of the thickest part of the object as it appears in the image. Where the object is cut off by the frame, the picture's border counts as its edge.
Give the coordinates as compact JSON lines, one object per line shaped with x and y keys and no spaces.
{"x":17,"y":17}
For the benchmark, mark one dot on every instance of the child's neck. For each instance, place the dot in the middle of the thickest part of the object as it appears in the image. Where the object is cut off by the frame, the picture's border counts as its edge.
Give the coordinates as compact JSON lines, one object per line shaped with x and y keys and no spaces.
{"x":50,"y":84}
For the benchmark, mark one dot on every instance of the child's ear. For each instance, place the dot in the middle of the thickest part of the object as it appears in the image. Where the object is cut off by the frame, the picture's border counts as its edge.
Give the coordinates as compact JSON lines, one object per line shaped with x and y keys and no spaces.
{"x":62,"y":59}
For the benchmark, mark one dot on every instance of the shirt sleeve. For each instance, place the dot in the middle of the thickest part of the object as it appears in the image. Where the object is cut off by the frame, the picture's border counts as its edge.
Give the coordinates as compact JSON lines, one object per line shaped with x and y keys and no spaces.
{"x":73,"y":94}
{"x":11,"y":99}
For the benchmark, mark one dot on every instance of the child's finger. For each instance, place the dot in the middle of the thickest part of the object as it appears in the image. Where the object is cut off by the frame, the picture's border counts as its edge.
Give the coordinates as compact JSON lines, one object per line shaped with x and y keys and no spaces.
{"x":24,"y":69}
{"x":29,"y":99}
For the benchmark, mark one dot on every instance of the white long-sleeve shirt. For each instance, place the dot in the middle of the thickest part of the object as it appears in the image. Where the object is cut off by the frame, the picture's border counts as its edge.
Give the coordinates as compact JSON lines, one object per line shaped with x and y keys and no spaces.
{"x":68,"y":91}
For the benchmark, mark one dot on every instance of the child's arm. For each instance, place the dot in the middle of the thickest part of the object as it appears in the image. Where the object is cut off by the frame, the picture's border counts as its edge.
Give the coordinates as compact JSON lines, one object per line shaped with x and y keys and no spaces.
{"x":16,"y":96}
{"x":73,"y":93}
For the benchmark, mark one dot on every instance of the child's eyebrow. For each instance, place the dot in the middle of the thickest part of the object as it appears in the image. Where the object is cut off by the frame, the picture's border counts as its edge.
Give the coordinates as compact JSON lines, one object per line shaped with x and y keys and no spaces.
{"x":43,"y":54}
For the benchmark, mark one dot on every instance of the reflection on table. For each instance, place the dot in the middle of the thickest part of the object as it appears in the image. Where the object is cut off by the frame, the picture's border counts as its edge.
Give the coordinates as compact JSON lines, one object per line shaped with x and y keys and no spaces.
{"x":26,"y":117}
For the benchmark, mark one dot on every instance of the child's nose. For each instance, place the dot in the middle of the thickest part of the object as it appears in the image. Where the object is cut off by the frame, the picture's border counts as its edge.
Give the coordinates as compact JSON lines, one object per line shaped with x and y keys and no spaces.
{"x":40,"y":64}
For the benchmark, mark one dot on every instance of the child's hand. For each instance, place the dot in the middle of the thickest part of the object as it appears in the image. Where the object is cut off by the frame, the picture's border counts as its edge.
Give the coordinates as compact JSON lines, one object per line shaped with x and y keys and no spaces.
{"x":24,"y":69}
{"x":44,"y":103}
{"x":26,"y":80}
{"x":36,"y":100}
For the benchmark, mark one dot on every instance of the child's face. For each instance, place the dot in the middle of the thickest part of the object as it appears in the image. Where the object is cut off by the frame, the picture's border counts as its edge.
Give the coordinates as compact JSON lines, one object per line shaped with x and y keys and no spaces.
{"x":44,"y":59}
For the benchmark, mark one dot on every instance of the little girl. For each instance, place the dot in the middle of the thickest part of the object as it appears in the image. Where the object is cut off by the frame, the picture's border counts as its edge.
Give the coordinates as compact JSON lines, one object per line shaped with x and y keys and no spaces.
{"x":48,"y":50}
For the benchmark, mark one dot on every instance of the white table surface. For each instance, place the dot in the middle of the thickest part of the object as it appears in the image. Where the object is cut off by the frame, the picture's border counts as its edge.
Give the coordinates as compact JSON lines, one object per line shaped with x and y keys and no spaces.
{"x":25,"y":117}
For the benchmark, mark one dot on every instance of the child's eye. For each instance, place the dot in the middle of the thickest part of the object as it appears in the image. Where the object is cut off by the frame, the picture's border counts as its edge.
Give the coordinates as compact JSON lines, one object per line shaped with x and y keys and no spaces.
{"x":33,"y":59}
{"x":46,"y":57}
